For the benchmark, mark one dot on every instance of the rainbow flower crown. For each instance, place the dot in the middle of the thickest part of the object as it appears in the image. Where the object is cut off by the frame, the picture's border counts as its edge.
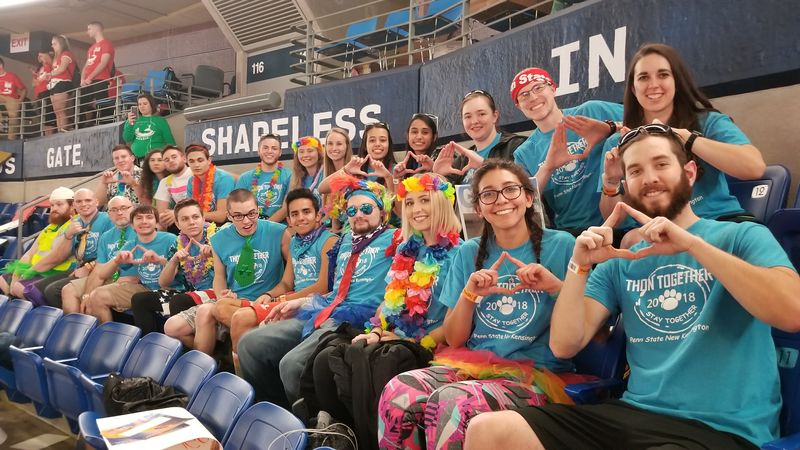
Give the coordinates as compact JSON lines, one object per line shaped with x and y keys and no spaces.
{"x":347,"y":185}
{"x":426,"y":182}
{"x":310,"y":141}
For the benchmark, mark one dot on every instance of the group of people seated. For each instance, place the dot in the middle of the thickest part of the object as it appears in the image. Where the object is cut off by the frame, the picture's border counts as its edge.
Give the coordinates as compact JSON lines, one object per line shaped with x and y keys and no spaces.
{"x":344,"y":265}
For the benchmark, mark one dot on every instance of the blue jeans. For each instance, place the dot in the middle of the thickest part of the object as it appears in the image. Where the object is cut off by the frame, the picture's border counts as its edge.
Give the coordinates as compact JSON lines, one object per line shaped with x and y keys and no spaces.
{"x":272,"y":358}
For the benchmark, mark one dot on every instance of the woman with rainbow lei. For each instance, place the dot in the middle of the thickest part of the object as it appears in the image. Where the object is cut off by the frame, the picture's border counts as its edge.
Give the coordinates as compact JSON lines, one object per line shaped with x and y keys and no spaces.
{"x":410,"y":310}
{"x":500,"y":291}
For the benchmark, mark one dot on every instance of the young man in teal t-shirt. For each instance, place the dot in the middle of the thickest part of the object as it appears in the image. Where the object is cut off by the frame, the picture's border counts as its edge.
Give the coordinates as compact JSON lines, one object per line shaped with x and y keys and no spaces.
{"x":269,"y":181}
{"x":699,"y":298}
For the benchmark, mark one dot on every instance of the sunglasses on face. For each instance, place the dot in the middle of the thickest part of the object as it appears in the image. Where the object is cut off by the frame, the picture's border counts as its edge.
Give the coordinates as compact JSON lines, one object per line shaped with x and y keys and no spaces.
{"x":365,"y":208}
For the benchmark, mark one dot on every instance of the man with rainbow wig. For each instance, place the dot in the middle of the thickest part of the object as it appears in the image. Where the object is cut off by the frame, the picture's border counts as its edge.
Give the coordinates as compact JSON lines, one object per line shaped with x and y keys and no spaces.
{"x":272,"y":357}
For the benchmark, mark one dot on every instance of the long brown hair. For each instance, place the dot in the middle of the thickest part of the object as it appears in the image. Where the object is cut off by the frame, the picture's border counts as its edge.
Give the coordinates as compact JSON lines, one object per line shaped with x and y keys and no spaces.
{"x":148,"y":176}
{"x":534,"y":228}
{"x":689,"y":101}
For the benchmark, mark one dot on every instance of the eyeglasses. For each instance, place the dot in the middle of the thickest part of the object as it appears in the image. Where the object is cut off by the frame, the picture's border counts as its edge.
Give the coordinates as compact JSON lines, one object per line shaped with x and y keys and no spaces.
{"x":121,"y":209}
{"x":365,"y":208}
{"x":653,"y":128}
{"x":490,"y":196}
{"x":536,"y":89}
{"x":252,"y":215}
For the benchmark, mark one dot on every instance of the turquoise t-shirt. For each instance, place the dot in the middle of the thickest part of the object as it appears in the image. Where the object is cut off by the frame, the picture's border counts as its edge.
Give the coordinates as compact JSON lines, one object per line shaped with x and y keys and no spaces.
{"x":306,"y":266}
{"x":223,"y":185}
{"x":99,"y":225}
{"x":148,"y":273}
{"x":710,"y":195}
{"x":280,"y":189}
{"x":515,"y":326}
{"x":227,"y":244}
{"x":436,"y":309}
{"x":108,"y":246}
{"x":368,"y":283}
{"x":484,"y":152}
{"x":693,"y":350}
{"x":571,"y":191}
{"x":206,"y":282}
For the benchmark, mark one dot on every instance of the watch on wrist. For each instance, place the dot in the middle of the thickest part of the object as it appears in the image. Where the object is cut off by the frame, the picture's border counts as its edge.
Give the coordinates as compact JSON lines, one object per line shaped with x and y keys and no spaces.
{"x":612,"y":126}
{"x":690,"y":141}
{"x":578,"y":269}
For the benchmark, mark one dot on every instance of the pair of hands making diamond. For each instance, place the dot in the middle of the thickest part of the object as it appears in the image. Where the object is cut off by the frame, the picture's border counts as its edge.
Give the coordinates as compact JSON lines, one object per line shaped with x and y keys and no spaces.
{"x":151,"y":257}
{"x":593,"y":246}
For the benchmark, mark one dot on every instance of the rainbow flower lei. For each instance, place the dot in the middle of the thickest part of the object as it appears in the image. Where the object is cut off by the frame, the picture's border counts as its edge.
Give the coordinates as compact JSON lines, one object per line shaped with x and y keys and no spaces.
{"x":426,"y":182}
{"x":195,"y":270}
{"x":272,"y":181}
{"x":204,"y":197}
{"x":411,"y":277}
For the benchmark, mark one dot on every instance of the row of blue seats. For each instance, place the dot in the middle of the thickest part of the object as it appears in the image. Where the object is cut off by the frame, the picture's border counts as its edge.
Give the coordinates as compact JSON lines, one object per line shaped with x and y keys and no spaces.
{"x":62,"y":362}
{"x":37,"y":221}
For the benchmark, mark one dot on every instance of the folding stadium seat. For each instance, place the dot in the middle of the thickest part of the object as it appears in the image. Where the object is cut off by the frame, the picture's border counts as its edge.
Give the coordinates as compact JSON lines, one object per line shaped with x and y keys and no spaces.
{"x":106,"y":350}
{"x":153,"y":357}
{"x":351,"y":48}
{"x":785,"y":226}
{"x":220,"y":401}
{"x":266,"y":425}
{"x":764,"y":196}
{"x":64,"y":343}
{"x":606,"y":360}
{"x":788,"y":348}
{"x":37,"y":221}
{"x":437,"y":16}
{"x":3,"y":300}
{"x":8,"y":252}
{"x":188,"y":373}
{"x":12,"y":314}
{"x":33,"y":332}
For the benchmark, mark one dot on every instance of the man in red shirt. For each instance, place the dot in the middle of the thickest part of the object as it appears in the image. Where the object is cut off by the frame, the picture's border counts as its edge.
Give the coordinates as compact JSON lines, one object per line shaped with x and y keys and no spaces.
{"x":12,"y":91}
{"x":97,"y":71}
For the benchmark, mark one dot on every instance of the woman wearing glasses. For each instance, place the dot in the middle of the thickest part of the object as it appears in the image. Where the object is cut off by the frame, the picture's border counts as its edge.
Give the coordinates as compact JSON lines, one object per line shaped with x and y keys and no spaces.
{"x":479,"y":117}
{"x":659,"y":88}
{"x":421,"y":137}
{"x":500,"y":292}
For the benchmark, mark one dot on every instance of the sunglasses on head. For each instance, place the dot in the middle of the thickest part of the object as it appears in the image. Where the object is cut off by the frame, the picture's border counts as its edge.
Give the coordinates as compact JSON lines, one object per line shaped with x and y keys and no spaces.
{"x":376,"y":125}
{"x":653,"y":128}
{"x":478,"y":91}
{"x":365,"y":208}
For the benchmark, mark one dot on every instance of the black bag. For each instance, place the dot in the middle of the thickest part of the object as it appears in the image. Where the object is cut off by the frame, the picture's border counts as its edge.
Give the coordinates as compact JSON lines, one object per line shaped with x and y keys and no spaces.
{"x":127,"y":395}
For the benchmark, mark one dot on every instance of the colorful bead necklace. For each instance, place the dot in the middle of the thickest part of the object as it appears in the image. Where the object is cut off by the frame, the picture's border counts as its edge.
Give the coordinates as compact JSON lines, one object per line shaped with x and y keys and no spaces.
{"x":195,"y":270}
{"x":276,"y":174}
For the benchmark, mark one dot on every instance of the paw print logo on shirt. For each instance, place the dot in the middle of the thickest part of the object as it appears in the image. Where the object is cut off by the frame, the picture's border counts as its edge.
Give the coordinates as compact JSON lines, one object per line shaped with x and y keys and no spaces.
{"x":506,"y":305}
{"x":669,"y":299}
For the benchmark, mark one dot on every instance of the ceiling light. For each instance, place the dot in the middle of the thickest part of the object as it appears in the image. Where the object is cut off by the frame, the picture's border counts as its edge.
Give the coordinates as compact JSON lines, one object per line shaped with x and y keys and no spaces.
{"x":11,"y":3}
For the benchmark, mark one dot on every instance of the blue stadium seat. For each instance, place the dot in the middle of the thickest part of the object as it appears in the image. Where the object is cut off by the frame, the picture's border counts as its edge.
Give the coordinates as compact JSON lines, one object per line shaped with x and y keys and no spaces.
{"x":264,"y":425}
{"x":788,"y":348}
{"x":12,"y":314}
{"x":65,"y":342}
{"x":437,"y":16}
{"x":106,"y":350}
{"x":604,"y":359}
{"x":33,"y":332}
{"x":153,"y":356}
{"x":3,"y":300}
{"x":764,"y":196}
{"x":797,"y":198}
{"x":8,"y":251}
{"x":350,"y":48}
{"x":220,"y":401}
{"x":37,"y":221}
{"x":188,"y":373}
{"x":785,"y":226}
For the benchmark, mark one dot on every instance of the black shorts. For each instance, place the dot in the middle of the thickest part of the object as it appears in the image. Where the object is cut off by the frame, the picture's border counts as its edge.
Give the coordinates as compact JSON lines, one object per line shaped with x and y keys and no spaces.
{"x":95,"y":91}
{"x":616,"y":425}
{"x":61,"y":87}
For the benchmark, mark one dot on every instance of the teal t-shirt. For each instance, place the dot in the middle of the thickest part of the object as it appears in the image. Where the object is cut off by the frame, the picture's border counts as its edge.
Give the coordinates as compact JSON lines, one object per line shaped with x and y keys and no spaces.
{"x":484,"y":152}
{"x":711,"y":198}
{"x":148,"y":273}
{"x":368,"y":283}
{"x":279,"y":190}
{"x":515,"y":326}
{"x":227,"y":244}
{"x":181,"y":281}
{"x":99,"y":224}
{"x":436,"y":309}
{"x":693,"y":350}
{"x":306,"y":265}
{"x":109,"y":244}
{"x":223,"y":185}
{"x":571,"y":191}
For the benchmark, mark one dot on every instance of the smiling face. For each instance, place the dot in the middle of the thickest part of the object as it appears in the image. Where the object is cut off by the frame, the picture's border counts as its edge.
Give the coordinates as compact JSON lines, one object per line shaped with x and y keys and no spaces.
{"x":123,"y":159}
{"x":478,"y":119}
{"x":654,"y":86}
{"x":363,"y":223}
{"x":145,"y":224}
{"x":335,"y":146}
{"x":269,"y":150}
{"x":190,"y":221}
{"x":503,"y":214}
{"x":239,"y":213}
{"x":420,"y":136}
{"x":302,"y":216}
{"x":537,"y":101}
{"x":85,"y":203}
{"x":309,"y":158}
{"x":174,"y":160}
{"x":199,"y":163}
{"x":377,"y":143}
{"x":656,"y":182}
{"x":417,"y":207}
{"x":119,"y":211}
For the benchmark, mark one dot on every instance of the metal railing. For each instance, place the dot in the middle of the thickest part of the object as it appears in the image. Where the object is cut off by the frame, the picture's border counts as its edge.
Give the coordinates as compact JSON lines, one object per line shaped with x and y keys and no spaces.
{"x":324,"y":59}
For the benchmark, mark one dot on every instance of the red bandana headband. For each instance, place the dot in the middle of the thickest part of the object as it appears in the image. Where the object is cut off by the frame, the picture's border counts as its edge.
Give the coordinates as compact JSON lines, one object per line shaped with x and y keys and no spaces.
{"x":528,"y":76}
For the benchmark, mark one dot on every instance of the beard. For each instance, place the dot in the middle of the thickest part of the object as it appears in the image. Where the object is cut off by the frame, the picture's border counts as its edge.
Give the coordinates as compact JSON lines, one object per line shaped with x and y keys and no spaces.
{"x":57,"y":218}
{"x":681,"y":194}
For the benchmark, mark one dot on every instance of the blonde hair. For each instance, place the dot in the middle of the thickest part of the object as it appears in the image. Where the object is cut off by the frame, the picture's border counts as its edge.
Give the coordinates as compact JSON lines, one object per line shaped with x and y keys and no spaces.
{"x":299,"y":171}
{"x":348,"y":153}
{"x":443,"y":214}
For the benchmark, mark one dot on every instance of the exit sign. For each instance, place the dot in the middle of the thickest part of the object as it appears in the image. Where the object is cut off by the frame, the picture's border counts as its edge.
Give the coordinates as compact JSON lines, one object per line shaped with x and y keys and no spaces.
{"x":20,"y":43}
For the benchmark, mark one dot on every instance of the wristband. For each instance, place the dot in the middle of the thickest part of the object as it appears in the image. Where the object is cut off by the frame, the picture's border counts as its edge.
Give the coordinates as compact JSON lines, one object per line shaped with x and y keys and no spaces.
{"x":577,"y":269}
{"x":609,"y":192}
{"x":612,"y":125}
{"x":469,"y":295}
